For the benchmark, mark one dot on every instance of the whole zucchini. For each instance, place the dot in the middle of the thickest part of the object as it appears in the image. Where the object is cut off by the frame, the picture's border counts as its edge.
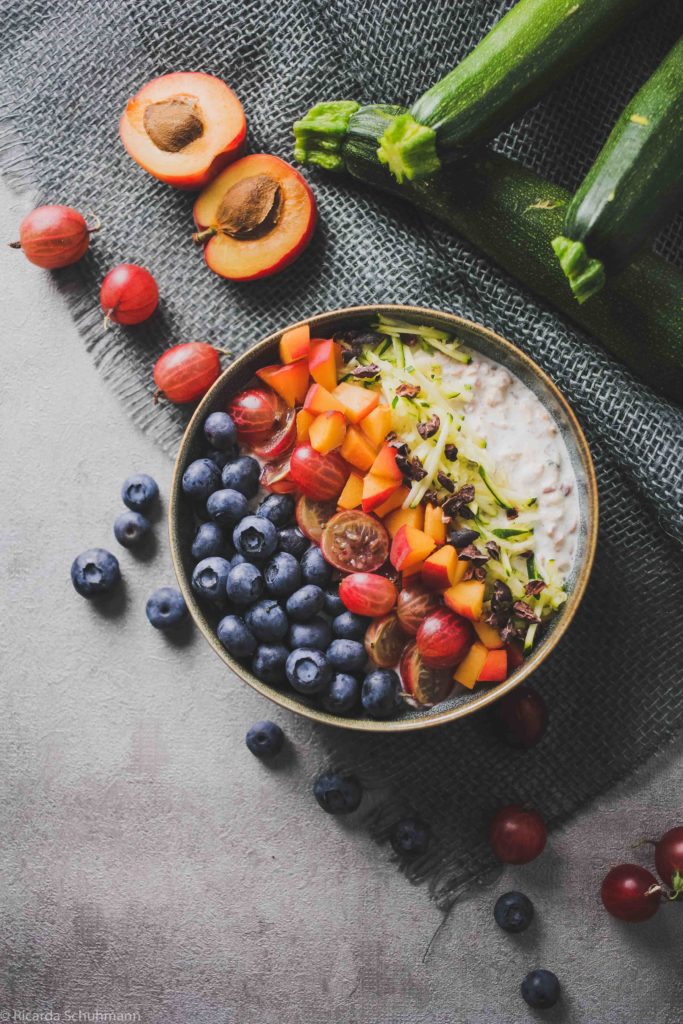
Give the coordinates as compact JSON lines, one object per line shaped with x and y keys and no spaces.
{"x":511,"y":214}
{"x":526,"y":52}
{"x":634,"y":186}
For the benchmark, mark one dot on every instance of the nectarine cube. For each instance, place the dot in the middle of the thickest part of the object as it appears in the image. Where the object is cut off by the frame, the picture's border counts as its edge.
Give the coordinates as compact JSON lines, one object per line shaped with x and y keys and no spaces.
{"x":467,"y":672}
{"x":352,"y":495}
{"x":327,"y":431}
{"x":295,"y":344}
{"x":396,"y":499}
{"x":357,"y":450}
{"x":404,"y":517}
{"x":376,"y":489}
{"x":410,"y":545}
{"x":304,"y":418}
{"x":358,"y":402}
{"x":385,"y":464}
{"x":318,"y":400}
{"x":441,"y":568}
{"x":434,"y":524}
{"x":290,"y":381}
{"x":412,"y":570}
{"x":489,"y":636}
{"x":495,"y":668}
{"x":466,"y":598}
{"x":377,"y":424}
{"x":323,"y":362}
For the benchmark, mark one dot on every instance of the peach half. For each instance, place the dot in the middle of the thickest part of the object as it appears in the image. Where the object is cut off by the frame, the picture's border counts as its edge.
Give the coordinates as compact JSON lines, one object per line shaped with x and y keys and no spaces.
{"x":255,"y":218}
{"x":184,"y":128}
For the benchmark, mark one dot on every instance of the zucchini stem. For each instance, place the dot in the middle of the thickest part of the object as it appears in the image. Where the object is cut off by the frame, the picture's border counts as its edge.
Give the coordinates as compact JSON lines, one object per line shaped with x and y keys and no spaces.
{"x":319,"y":135}
{"x":586,"y":276}
{"x":408,"y":148}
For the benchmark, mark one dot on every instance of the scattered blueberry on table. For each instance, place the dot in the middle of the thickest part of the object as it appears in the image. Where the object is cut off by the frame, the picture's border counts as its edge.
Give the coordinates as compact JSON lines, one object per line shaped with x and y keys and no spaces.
{"x":95,"y":572}
{"x":265,"y":739}
{"x":166,"y":608}
{"x":139,"y":492}
{"x":131,"y":528}
{"x":410,"y":837}
{"x":513,"y":911}
{"x":540,"y":989}
{"x":337,"y":793}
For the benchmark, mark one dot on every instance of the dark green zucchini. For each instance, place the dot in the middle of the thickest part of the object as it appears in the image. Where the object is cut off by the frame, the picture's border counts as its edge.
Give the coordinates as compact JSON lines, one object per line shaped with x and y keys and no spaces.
{"x":512,"y":215}
{"x":634,"y":186}
{"x":524,"y":54}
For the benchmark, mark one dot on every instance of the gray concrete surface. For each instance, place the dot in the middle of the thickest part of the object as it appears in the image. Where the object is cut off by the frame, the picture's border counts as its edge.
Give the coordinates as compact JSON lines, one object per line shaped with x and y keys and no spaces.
{"x":151,"y":866}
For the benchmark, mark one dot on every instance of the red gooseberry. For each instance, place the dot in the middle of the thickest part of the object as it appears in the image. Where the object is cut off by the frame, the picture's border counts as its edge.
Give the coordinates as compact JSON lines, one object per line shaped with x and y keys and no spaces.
{"x":631,"y":893}
{"x":54,"y":236}
{"x":186,"y":372}
{"x":128,"y":295}
{"x":669,"y":859}
{"x":318,"y":476}
{"x":366,"y":593}
{"x":517,"y":835}
{"x":520,"y":718}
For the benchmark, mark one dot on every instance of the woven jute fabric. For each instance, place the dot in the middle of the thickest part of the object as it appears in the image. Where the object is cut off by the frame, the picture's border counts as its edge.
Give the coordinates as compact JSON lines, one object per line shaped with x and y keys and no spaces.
{"x":66,"y":71}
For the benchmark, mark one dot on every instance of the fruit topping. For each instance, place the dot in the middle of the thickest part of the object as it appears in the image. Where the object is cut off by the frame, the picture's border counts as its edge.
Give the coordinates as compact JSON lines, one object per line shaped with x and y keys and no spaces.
{"x":355,"y":542}
{"x":381,"y":693}
{"x":318,"y":476}
{"x":311,"y":517}
{"x":256,"y":413}
{"x":366,"y":593}
{"x":426,"y":686}
{"x":385,"y":641}
{"x":443,"y":639}
{"x":414,"y":604}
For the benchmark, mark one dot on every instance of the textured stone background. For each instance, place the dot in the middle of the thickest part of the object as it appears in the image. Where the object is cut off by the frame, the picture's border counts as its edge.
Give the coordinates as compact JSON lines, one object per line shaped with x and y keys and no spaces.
{"x":150,"y":864}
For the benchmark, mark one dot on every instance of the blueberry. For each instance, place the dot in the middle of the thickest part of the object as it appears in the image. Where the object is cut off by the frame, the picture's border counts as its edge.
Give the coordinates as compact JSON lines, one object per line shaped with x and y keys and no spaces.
{"x":243,"y":475}
{"x":237,"y":560}
{"x":337,"y":794}
{"x":201,"y":478}
{"x":291,"y":539}
{"x":513,"y":911}
{"x":226,"y":507}
{"x":209,"y":540}
{"x":131,"y":528}
{"x":347,"y":655}
{"x":139,"y":492}
{"x":410,"y":837}
{"x":304,"y":603}
{"x":269,"y":663}
{"x":209,"y":577}
{"x":244,"y":583}
{"x":308,"y":671}
{"x":314,"y":568}
{"x":265,"y":739}
{"x":236,"y":637}
{"x":315,"y":633}
{"x":333,"y":602}
{"x":95,"y":572}
{"x":166,"y":608}
{"x":255,"y":538}
{"x":221,"y":432}
{"x":279,"y":508}
{"x":267,"y":620}
{"x":219,"y":459}
{"x":282,"y":574}
{"x":540,"y":989}
{"x":342,"y":695}
{"x":380,"y":694}
{"x":349,"y":626}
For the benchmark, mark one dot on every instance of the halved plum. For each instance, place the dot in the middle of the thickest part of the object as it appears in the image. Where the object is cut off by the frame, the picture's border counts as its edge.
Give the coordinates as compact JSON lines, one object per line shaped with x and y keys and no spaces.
{"x":255,"y":218}
{"x":311,"y":517}
{"x":184,"y":128}
{"x":355,"y":542}
{"x":427,"y":686}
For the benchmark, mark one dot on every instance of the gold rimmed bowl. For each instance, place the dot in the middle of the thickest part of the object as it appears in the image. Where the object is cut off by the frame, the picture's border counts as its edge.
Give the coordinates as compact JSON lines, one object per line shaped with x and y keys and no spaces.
{"x":182,"y":523}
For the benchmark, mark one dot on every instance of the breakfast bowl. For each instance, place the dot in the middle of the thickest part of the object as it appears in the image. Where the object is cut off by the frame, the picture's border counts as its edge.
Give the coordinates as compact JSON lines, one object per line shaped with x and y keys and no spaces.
{"x":506,"y":516}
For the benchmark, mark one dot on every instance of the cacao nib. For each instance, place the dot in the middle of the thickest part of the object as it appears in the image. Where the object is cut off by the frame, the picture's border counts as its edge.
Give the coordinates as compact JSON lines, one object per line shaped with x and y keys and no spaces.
{"x":408,"y":390}
{"x":525,"y":611}
{"x":416,"y":470}
{"x":472,"y":554}
{"x":511,"y":513}
{"x":534,"y":588}
{"x":475,"y":572}
{"x":501,"y":601}
{"x":430,"y":498}
{"x":429,"y":427}
{"x":445,"y":481}
{"x":462,"y":537}
{"x":451,"y":452}
{"x":365,"y":372}
{"x":493,"y":549}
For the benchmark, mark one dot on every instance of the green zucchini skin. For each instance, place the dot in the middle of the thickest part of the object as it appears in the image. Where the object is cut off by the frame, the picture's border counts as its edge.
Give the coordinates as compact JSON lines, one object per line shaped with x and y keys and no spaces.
{"x":512,"y":215}
{"x":634,"y":186}
{"x":535,"y":44}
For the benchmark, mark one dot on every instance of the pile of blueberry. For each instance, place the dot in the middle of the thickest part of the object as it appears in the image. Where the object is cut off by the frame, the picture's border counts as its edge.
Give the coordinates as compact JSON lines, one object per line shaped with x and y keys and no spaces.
{"x":277,"y":605}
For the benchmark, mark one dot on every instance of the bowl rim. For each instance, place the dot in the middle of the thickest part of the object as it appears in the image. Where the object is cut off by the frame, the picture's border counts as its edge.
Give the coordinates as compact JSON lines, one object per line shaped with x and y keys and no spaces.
{"x":434,"y":717}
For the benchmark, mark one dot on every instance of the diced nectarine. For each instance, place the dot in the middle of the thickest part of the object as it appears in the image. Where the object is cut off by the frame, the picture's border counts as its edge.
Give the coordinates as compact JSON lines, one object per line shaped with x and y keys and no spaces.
{"x":357,"y":449}
{"x":467,"y":672}
{"x":318,"y":399}
{"x":396,"y":499}
{"x":323,"y":361}
{"x":466,"y":599}
{"x":290,"y":381}
{"x":434,"y":524}
{"x":404,"y":517}
{"x":304,"y":418}
{"x":385,"y":464}
{"x":441,"y":569}
{"x":489,"y":636}
{"x":412,"y":570}
{"x":376,"y":490}
{"x":410,"y":546}
{"x":295,"y":344}
{"x":495,"y":668}
{"x":377,"y":424}
{"x":358,"y":402}
{"x":327,"y":431}
{"x":352,"y":495}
